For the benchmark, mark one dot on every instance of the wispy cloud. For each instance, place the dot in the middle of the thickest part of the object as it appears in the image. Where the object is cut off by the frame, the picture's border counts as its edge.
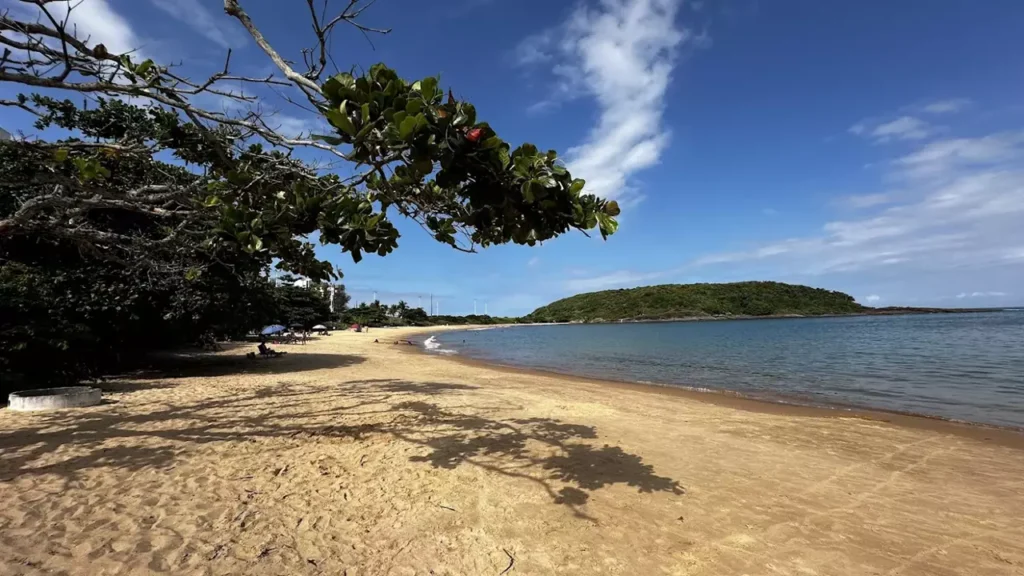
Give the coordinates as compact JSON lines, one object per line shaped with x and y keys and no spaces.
{"x":960,"y":206}
{"x":963,"y":295}
{"x":872,"y":298}
{"x":902,"y":128}
{"x":621,"y":53}
{"x":99,"y":22}
{"x":865,"y":200}
{"x":946,"y":156}
{"x":949,"y":106}
{"x":195,"y":15}
{"x":617,"y":279}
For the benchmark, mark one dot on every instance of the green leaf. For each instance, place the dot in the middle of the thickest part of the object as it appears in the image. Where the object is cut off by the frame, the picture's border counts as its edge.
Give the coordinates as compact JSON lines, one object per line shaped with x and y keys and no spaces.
{"x":577,"y":186}
{"x":212,"y":201}
{"x":338,"y":85}
{"x":364,"y":131}
{"x":413,"y":107}
{"x":408,"y":127}
{"x":339,"y":119}
{"x":492,"y":142}
{"x":144,"y":67}
{"x":612,"y":208}
{"x":503,"y":155}
{"x":527,"y":190}
{"x":366,"y":113}
{"x":60,"y":154}
{"x":428,"y":87}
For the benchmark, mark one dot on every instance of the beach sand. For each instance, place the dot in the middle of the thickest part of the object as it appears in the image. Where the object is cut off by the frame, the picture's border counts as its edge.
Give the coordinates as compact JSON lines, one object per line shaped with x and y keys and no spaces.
{"x":348,"y":457}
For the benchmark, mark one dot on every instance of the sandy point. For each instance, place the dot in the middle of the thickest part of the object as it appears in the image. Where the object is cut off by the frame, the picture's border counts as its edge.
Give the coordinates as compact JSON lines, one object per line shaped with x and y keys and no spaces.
{"x":350,"y":457}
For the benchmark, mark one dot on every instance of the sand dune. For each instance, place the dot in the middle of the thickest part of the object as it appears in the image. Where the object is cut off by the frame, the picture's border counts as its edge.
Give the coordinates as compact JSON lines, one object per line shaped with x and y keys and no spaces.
{"x":348,"y":457}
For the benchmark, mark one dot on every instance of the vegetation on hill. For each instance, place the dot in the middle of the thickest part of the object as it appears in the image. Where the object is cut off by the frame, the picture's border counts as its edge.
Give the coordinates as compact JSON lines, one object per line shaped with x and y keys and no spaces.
{"x":697,"y":300}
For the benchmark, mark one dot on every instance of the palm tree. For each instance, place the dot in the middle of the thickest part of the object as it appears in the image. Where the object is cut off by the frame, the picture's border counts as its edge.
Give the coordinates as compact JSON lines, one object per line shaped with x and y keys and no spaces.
{"x":400,"y":308}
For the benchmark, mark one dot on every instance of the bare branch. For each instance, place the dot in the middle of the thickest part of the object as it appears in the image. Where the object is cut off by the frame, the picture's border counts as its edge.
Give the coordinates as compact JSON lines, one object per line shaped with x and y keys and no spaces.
{"x":309,"y":87}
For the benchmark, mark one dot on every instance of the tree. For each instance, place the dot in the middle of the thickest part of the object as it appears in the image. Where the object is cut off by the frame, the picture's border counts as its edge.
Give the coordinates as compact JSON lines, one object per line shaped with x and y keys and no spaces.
{"x":416,"y":316}
{"x":90,"y":281}
{"x":400,"y":308}
{"x":416,"y":153}
{"x":340,"y":302}
{"x":304,"y":306}
{"x":95,"y":231}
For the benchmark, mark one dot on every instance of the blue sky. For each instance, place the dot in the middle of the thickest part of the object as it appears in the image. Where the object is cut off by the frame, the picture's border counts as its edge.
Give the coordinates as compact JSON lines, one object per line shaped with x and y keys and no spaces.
{"x":871,"y":147}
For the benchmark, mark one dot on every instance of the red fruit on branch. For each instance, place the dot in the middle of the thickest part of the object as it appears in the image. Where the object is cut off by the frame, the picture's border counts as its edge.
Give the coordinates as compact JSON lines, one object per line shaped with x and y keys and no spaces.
{"x":475,"y":134}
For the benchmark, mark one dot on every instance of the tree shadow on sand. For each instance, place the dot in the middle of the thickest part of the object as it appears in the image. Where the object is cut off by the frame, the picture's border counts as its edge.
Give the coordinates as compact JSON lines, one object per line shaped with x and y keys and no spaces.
{"x":563,"y":459}
{"x":202,"y":364}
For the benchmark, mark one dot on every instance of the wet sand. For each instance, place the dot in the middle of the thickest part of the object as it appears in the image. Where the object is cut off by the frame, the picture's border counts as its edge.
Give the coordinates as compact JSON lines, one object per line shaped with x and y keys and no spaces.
{"x":348,"y":457}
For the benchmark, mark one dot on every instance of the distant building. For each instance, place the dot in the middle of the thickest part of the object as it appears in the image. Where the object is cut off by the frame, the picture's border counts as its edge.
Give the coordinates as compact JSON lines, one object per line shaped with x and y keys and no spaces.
{"x":5,"y":135}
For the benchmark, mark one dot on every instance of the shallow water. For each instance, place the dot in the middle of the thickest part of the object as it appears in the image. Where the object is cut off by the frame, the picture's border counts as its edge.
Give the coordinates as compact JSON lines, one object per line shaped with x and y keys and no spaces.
{"x":961,"y":366}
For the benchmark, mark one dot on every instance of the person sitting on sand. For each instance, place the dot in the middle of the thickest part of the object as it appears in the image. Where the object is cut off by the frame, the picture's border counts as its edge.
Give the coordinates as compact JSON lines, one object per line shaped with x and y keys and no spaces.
{"x":265,"y":351}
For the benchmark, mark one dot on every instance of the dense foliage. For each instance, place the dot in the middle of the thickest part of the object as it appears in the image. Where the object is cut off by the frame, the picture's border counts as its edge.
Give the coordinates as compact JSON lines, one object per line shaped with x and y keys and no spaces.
{"x":156,"y":225}
{"x":107,"y":252}
{"x":697,"y":300}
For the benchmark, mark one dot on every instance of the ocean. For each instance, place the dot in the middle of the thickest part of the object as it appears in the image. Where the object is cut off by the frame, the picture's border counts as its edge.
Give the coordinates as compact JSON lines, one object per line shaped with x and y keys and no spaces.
{"x":967,"y":367}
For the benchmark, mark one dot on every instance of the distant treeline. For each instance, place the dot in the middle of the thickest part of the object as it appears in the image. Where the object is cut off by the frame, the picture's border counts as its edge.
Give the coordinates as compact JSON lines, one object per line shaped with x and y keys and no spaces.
{"x":668,"y":301}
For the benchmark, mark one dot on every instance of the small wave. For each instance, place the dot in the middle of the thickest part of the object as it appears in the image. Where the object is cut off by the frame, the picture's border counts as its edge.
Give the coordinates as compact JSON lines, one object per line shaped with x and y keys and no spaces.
{"x":432,"y":345}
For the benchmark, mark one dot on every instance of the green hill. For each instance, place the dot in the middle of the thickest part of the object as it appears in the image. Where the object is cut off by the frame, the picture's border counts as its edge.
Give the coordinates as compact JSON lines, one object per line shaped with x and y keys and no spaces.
{"x":697,"y":300}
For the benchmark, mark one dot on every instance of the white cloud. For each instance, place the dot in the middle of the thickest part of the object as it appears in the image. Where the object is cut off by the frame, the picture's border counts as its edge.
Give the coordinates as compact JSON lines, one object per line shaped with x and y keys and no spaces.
{"x":194,"y":14}
{"x":949,"y":106}
{"x":945,"y":156}
{"x":873,"y":298}
{"x":866,"y":200}
{"x":902,"y":128}
{"x":963,"y":295}
{"x":533,"y":261}
{"x":622,"y":54}
{"x":617,"y":279}
{"x":535,"y":49}
{"x":97,"y":21}
{"x":961,"y":207}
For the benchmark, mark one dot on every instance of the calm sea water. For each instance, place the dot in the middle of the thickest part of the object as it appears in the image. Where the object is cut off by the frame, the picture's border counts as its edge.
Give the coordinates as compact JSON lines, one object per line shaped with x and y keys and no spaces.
{"x":960,"y":366}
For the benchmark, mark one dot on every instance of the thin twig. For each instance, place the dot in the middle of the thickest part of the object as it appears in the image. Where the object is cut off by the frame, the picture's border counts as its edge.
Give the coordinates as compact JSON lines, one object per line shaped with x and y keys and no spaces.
{"x":511,"y":562}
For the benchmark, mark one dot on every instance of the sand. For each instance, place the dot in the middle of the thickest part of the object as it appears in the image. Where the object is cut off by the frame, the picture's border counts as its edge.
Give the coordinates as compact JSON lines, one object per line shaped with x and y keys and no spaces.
{"x":348,"y":457}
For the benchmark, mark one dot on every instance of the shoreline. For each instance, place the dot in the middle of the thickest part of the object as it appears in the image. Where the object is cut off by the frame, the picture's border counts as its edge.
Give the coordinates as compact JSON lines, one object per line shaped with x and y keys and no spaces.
{"x":346,"y":456}
{"x":1008,"y":436}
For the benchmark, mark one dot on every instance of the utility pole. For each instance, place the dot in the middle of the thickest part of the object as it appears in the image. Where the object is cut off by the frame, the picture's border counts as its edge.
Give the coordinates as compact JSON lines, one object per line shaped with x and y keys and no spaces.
{"x":431,"y":303}
{"x":485,"y":308}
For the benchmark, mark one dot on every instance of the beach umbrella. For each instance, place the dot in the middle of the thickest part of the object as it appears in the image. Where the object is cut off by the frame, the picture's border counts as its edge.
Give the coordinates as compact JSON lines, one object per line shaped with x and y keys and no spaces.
{"x":272,"y":329}
{"x":319,"y":327}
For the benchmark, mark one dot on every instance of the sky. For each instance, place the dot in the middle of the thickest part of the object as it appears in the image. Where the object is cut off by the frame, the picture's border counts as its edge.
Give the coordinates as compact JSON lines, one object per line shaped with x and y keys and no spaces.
{"x":871,"y":147}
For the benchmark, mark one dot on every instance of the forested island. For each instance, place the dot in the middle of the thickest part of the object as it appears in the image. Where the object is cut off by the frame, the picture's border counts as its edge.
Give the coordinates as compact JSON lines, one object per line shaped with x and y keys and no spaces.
{"x":706,"y":301}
